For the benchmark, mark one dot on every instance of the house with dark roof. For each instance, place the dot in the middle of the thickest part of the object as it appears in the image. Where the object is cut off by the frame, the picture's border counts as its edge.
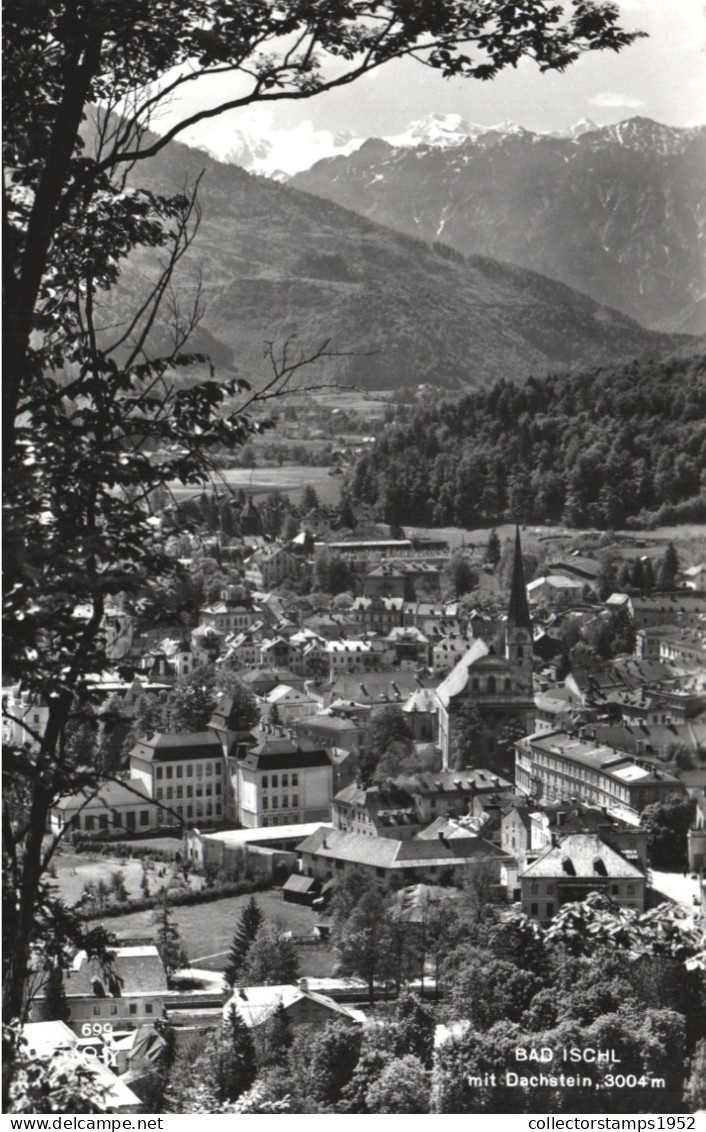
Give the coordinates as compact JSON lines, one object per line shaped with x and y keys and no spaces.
{"x":453,"y":792}
{"x":128,"y":992}
{"x":581,"y":864}
{"x":282,"y":779}
{"x":376,"y":811}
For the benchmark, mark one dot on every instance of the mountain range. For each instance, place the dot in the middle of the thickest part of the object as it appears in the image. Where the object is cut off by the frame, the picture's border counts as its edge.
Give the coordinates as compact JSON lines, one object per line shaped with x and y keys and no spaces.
{"x":282,"y":153}
{"x":276,"y":262}
{"x":616,"y":212}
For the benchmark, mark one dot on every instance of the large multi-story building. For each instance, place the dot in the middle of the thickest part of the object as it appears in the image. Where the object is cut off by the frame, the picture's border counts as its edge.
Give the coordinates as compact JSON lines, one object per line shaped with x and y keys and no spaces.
{"x":185,"y":774}
{"x":560,"y":765}
{"x":282,"y":779}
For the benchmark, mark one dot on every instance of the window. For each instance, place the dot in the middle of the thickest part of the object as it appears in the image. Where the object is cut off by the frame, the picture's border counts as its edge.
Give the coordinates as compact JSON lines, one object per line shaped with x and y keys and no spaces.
{"x":550,"y":910}
{"x":133,"y":1008}
{"x":170,"y":793}
{"x":179,"y":771}
{"x":285,"y":780}
{"x":295,"y":801}
{"x":275,"y":803}
{"x":275,"y":782}
{"x":265,"y":803}
{"x":144,"y":817}
{"x":89,"y":820}
{"x":102,"y":821}
{"x":614,"y":889}
{"x":159,"y":793}
{"x":189,"y":811}
{"x":113,"y":1010}
{"x":631,"y":890}
{"x":96,"y":1011}
{"x":180,"y":791}
{"x":208,"y":768}
{"x":160,"y":772}
{"x":550,"y":889}
{"x":189,"y":771}
{"x":264,"y":782}
{"x":285,"y":802}
{"x":295,"y":780}
{"x":534,"y":909}
{"x":170,"y":771}
{"x":534,"y":888}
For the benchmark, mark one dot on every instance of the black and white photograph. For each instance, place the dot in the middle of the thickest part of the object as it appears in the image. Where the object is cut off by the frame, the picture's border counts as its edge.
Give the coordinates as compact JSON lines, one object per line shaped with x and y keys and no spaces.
{"x":354,"y":548}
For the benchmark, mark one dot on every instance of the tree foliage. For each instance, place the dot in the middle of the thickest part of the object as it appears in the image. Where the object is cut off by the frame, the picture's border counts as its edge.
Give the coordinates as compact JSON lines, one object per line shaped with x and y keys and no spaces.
{"x":271,"y":959}
{"x":168,"y":939}
{"x":591,"y":449}
{"x":667,"y":823}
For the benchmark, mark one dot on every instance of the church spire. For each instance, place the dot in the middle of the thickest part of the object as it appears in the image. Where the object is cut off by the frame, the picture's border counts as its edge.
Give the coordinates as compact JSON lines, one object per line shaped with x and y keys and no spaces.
{"x":518,"y":614}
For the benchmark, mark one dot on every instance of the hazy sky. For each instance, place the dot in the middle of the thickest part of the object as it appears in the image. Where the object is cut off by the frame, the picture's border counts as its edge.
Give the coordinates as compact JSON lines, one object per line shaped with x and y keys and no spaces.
{"x":663,"y":77}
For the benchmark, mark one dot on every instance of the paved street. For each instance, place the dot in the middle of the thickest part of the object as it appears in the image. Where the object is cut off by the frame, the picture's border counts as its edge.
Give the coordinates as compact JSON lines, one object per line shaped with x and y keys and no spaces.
{"x":675,"y":886}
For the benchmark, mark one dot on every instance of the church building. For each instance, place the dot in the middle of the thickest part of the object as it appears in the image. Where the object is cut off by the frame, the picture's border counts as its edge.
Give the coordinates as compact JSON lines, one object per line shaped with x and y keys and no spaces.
{"x":485,"y":693}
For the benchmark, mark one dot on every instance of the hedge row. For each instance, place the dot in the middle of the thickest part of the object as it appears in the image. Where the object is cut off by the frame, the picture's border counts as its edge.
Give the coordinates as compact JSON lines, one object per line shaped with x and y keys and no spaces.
{"x":120,"y":849}
{"x":181,"y":897}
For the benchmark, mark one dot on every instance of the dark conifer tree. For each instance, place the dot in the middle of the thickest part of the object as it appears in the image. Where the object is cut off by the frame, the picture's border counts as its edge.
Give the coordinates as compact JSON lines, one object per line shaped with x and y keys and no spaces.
{"x":249,"y":924}
{"x":278,"y":1038}
{"x":236,"y":1057}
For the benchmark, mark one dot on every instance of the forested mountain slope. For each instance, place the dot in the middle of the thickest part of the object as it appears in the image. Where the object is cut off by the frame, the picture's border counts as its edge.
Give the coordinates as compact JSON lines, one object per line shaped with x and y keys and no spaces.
{"x":592,"y":448}
{"x":618,"y":213}
{"x":275,"y":262}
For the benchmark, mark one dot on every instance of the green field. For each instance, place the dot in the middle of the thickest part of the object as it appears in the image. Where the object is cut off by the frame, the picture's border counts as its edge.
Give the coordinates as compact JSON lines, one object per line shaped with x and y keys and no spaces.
{"x":290,"y":479}
{"x":207,"y":929}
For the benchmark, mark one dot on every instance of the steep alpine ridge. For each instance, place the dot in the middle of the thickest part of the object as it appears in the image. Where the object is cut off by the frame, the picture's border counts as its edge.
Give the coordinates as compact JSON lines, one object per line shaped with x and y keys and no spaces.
{"x":618,"y":212}
{"x":276,"y":262}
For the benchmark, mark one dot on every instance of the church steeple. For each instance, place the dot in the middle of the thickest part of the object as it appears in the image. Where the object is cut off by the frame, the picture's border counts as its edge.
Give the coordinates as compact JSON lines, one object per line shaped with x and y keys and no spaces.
{"x":518,"y":614}
{"x":518,"y":627}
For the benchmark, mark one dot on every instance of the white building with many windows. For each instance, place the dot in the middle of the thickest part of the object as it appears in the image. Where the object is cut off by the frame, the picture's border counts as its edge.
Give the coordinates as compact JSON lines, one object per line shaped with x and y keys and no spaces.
{"x":184,"y":773}
{"x":283,"y":780}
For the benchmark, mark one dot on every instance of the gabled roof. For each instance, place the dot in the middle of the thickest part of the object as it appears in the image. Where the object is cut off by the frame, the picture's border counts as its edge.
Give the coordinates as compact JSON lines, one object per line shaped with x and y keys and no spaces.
{"x":138,"y":970}
{"x":109,"y":796}
{"x":584,"y":856}
{"x":256,"y":1004}
{"x":389,"y":853}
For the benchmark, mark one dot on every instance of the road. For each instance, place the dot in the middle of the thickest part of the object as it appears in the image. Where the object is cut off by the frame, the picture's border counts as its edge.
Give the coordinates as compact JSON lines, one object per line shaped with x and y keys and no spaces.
{"x":677,"y":887}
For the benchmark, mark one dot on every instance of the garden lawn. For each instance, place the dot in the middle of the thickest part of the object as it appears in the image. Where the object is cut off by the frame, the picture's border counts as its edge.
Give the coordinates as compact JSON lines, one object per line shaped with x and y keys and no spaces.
{"x":207,"y":929}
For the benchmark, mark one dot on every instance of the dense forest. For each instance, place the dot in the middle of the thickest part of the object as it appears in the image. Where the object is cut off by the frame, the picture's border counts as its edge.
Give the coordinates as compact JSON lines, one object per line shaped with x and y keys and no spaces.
{"x":602,"y":448}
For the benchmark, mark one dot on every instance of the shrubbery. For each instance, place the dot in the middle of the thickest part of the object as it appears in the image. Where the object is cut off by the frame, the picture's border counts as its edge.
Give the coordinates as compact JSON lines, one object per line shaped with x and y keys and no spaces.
{"x":180,"y":897}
